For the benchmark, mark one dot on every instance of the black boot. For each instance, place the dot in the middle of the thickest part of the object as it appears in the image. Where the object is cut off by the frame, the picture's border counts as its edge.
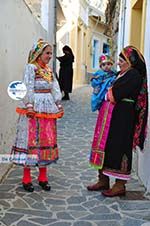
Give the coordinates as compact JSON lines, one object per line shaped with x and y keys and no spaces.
{"x":28,"y":187}
{"x":45,"y":185}
{"x":66,"y":96}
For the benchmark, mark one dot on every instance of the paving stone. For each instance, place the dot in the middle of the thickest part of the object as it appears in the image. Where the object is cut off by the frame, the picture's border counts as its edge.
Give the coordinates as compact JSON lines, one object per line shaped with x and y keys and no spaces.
{"x":20,"y":190}
{"x":67,"y":193}
{"x":19,"y":203}
{"x":10,"y":218}
{"x":146,"y":224}
{"x":76,"y":187}
{"x":56,"y":187}
{"x":100,"y":210}
{"x":76,"y":208}
{"x":132,"y":222}
{"x":62,"y":182}
{"x":115,"y":206}
{"x":55,"y":195}
{"x":82,"y":223}
{"x":79,"y":214}
{"x":134,"y":195}
{"x":90,"y":204}
{"x":39,"y":206}
{"x":28,"y":200}
{"x":93,"y":217}
{"x":42,"y":221}
{"x":64,"y":216}
{"x":4,"y":195}
{"x":146,"y":216}
{"x":31,"y":212}
{"x":109,"y":223}
{"x":6,"y":188}
{"x":4,"y":169}
{"x":2,"y":224}
{"x":16,"y":172}
{"x":62,"y":223}
{"x":142,"y":215}
{"x":98,"y":197}
{"x":57,"y":208}
{"x":12,"y":181}
{"x":55,"y":202}
{"x":4,"y":203}
{"x":134,"y":205}
{"x":25,"y":223}
{"x":108,"y":201}
{"x":36,"y":197}
{"x":76,"y":200}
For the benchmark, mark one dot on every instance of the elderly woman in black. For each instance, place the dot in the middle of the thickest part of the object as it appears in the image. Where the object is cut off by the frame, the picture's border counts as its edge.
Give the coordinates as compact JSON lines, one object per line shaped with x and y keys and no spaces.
{"x":121,"y":124}
{"x":66,"y":71}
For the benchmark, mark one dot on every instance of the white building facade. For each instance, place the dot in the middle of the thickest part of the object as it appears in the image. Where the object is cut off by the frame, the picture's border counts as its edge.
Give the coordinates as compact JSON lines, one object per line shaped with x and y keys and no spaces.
{"x":141,"y":161}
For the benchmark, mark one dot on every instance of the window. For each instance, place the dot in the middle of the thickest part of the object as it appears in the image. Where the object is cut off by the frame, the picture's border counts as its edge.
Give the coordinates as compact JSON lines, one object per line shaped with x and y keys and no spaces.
{"x":106,"y":49}
{"x":95,"y":60}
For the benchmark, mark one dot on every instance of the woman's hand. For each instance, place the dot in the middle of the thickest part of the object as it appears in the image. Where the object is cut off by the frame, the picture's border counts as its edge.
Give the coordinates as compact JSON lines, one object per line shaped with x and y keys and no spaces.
{"x":59,"y":105}
{"x":110,"y":96}
{"x":30,"y":112}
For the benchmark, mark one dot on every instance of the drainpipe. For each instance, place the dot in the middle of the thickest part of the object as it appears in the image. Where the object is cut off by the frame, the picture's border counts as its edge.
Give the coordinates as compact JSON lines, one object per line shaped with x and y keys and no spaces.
{"x":52,"y":29}
{"x":55,"y":30}
{"x":124,"y":22}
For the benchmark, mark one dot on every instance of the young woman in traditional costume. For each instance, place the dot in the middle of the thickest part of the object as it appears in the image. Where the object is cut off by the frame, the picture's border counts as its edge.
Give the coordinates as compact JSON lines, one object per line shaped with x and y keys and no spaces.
{"x":36,"y":140}
{"x":121,"y":124}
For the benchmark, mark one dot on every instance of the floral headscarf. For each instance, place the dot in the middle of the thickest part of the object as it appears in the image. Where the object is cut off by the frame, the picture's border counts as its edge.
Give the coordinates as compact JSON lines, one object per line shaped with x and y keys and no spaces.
{"x":136,"y":60}
{"x":105,"y":58}
{"x":37,"y":50}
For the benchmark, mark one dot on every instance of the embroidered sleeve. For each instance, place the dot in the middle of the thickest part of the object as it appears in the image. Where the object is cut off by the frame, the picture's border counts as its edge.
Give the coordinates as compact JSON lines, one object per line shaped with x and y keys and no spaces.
{"x":28,"y":79}
{"x":56,"y":91}
{"x":109,"y":96}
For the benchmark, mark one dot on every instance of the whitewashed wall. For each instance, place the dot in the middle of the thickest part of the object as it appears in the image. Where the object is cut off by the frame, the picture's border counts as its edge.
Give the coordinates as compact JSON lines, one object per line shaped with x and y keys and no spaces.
{"x":124,"y":21}
{"x":18,"y":30}
{"x":144,"y":158}
{"x":141,"y":160}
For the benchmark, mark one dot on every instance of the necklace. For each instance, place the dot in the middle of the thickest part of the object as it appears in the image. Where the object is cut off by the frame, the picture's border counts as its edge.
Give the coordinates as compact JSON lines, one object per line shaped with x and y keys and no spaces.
{"x":44,"y":71}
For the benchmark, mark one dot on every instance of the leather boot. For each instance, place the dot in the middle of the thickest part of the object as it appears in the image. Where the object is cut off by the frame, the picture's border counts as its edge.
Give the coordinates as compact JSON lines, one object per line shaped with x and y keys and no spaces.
{"x":66,"y":96}
{"x":45,"y":185}
{"x":28,"y":187}
{"x":118,"y":189}
{"x":102,"y":184}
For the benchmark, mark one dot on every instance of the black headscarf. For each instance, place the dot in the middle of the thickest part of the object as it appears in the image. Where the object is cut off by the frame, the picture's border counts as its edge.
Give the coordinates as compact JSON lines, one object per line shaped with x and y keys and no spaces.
{"x":69,"y":50}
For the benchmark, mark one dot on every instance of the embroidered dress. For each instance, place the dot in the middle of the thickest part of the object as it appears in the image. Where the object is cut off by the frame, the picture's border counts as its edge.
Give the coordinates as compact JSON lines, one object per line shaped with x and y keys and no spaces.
{"x":36,"y":139}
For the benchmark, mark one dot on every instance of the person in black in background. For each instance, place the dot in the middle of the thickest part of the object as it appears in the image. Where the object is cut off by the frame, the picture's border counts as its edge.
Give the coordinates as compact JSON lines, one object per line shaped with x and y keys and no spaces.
{"x":66,"y":71}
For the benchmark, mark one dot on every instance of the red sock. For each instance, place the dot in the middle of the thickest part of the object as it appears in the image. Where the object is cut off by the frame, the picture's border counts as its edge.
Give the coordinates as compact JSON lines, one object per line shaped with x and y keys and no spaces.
{"x":42,"y":174}
{"x":26,"y":176}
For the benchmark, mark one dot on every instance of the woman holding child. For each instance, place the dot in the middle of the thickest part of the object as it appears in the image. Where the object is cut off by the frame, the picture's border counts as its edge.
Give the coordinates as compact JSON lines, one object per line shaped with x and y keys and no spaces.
{"x":121,"y":124}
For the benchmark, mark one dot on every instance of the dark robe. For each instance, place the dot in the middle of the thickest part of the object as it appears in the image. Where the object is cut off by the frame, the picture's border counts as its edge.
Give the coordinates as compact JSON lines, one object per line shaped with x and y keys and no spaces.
{"x":66,"y":73}
{"x":118,"y":150}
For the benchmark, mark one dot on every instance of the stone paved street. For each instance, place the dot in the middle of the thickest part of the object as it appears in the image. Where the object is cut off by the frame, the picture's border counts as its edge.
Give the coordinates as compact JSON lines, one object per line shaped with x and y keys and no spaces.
{"x":69,"y":203}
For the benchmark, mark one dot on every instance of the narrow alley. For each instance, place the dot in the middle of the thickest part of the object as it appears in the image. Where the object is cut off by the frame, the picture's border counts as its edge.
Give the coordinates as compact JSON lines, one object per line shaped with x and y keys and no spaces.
{"x":69,"y":203}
